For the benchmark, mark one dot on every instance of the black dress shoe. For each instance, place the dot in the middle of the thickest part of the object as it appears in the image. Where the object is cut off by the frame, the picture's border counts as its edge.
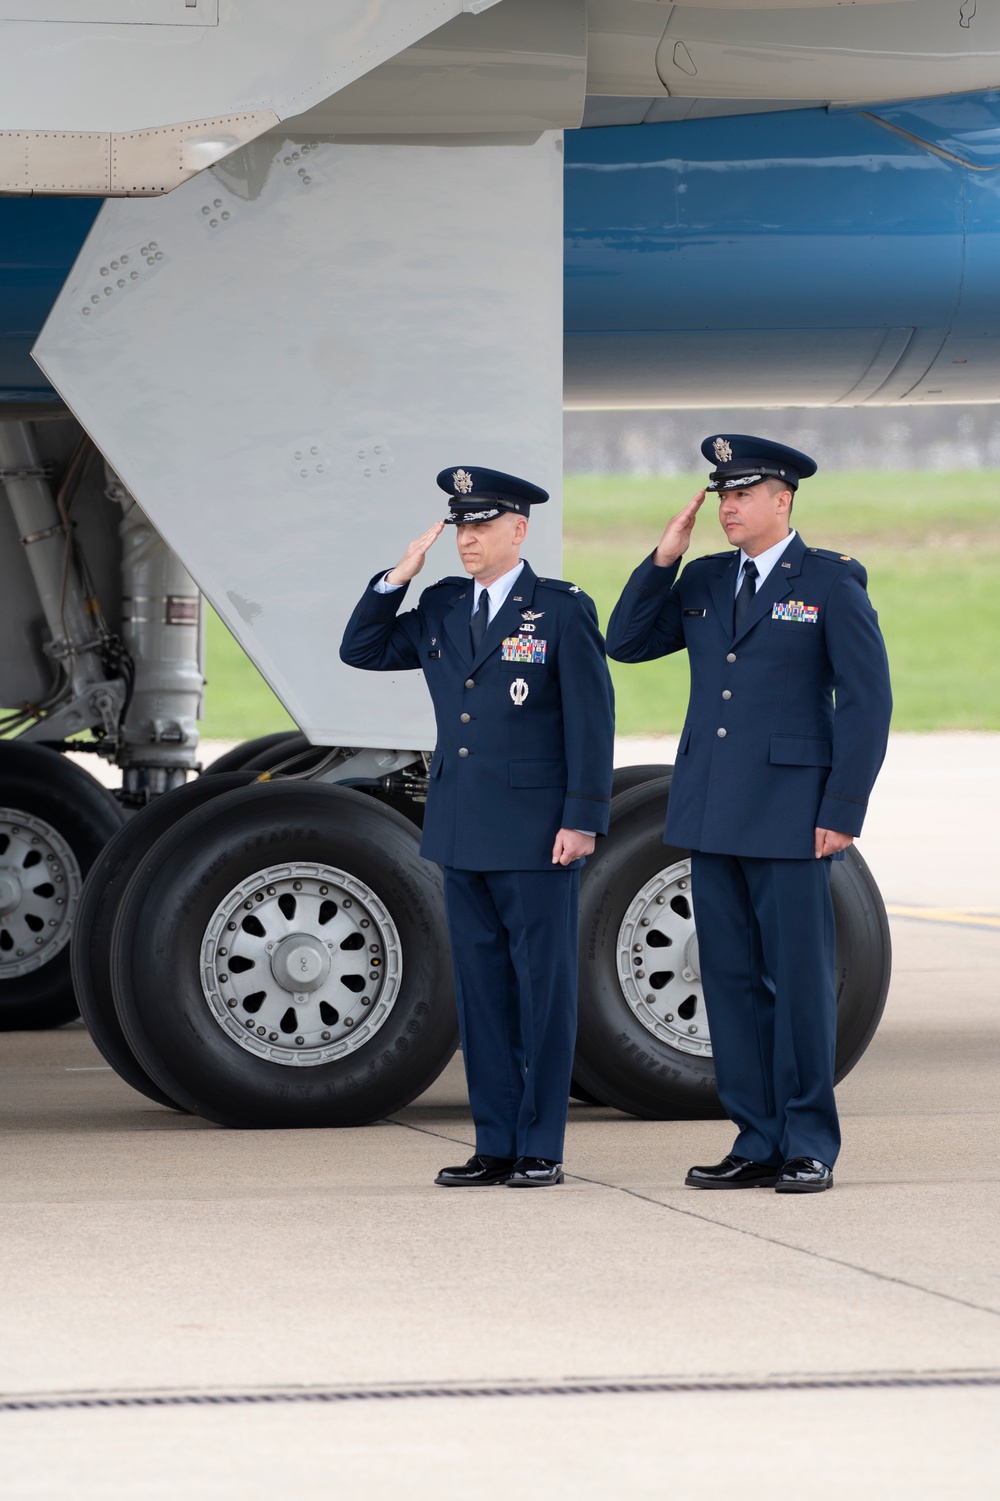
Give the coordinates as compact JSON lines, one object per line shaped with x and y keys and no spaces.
{"x":478,"y":1172}
{"x":804,"y":1175}
{"x":733,"y":1172}
{"x":535,"y":1172}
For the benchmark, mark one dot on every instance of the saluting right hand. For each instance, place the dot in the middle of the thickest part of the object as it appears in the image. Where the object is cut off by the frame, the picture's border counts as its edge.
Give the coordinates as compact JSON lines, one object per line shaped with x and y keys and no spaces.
{"x":412,"y":560}
{"x":676,"y":537}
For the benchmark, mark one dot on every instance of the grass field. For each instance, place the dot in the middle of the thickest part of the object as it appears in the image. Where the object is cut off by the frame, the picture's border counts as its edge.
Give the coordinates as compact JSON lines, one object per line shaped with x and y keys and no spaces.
{"x":930,"y":542}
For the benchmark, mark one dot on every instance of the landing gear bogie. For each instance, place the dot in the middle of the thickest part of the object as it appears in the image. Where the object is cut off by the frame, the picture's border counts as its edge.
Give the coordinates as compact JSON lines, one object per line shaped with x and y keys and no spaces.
{"x":282,"y":961}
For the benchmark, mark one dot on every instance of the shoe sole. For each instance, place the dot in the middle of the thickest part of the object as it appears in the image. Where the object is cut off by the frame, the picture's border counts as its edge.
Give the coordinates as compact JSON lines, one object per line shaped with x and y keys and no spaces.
{"x":527,"y":1183}
{"x":483,"y":1183}
{"x":802,"y":1188}
{"x":757,"y":1183}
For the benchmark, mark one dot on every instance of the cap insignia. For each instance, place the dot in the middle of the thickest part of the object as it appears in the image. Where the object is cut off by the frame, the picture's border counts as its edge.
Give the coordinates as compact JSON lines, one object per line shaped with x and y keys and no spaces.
{"x":462,"y":480}
{"x":723,"y":450}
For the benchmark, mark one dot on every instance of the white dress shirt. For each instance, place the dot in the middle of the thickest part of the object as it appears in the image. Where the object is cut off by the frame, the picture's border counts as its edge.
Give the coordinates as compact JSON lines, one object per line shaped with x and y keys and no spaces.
{"x":765,"y":561}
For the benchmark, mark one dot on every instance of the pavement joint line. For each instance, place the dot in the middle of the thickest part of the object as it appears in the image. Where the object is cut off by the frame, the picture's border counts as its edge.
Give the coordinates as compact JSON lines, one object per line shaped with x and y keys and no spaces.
{"x":563,"y":1387}
{"x":771,"y":1240}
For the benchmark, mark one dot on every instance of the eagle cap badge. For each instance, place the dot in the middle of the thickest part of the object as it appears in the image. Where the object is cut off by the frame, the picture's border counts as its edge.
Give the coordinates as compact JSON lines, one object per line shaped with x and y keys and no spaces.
{"x":723,"y":450}
{"x":462,"y":480}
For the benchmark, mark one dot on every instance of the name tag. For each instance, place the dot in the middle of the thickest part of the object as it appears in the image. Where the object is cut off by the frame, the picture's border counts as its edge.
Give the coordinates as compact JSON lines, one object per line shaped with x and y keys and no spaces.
{"x":523,"y":649}
{"x":794,"y":609}
{"x":696,"y":612}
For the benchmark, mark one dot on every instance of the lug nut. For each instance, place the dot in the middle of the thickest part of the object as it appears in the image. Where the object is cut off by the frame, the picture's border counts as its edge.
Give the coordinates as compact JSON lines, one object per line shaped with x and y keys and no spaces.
{"x":299,"y":1041}
{"x":231,"y":1005}
{"x":231,"y":925}
{"x":296,"y":885}
{"x":326,"y":1037}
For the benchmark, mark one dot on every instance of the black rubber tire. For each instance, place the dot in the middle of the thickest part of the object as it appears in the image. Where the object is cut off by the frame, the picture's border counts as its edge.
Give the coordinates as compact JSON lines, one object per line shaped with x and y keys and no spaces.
{"x":627,"y":777}
{"x":249,"y":750}
{"x":159,"y":928}
{"x":90,"y":950}
{"x":622,"y":1064}
{"x":864,"y":957}
{"x":40,"y":781}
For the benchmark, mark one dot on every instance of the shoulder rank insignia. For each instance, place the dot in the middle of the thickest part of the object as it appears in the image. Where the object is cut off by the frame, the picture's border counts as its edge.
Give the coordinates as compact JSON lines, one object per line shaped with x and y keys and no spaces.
{"x":794,"y":609}
{"x":575,"y":589}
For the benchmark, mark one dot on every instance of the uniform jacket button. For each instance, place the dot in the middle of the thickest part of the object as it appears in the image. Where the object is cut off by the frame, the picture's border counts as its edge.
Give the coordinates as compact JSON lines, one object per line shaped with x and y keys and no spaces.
{"x":730,"y":657}
{"x":726,"y":693}
{"x":463,"y":752}
{"x":465,"y":718}
{"x":471,"y":682}
{"x":721,"y":734}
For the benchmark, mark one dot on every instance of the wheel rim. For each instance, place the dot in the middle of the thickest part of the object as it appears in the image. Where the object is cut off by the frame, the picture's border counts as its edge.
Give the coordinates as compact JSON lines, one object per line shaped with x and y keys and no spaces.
{"x":40,"y":885}
{"x":301,"y":964}
{"x":658,"y":965}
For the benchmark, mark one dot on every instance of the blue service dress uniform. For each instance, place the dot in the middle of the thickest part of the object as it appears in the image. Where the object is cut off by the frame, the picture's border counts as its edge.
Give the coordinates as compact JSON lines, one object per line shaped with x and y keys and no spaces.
{"x":785,"y":732}
{"x":525,"y":733}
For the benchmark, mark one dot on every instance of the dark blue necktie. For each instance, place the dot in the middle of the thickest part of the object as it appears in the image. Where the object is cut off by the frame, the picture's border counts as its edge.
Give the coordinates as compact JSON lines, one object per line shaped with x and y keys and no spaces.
{"x":748,"y":589}
{"x":480,"y":620}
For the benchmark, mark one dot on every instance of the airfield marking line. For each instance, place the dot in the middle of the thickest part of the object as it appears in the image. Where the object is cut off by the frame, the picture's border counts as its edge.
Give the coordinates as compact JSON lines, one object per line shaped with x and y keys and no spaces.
{"x":943,"y":915}
{"x":556,"y":1387}
{"x":771,"y":1240}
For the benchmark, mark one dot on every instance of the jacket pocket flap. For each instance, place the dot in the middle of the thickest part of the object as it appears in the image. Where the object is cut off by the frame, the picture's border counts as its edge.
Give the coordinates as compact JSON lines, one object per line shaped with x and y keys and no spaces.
{"x":800,"y":750}
{"x":537,"y":773}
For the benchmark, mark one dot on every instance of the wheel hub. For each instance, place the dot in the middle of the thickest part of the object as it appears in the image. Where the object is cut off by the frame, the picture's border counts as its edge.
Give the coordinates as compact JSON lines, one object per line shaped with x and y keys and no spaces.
{"x":301,"y":964}
{"x":11,"y":891}
{"x":40,"y":885}
{"x":659,"y":969}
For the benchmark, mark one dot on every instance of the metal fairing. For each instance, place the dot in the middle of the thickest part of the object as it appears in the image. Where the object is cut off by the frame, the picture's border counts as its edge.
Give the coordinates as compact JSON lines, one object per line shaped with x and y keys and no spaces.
{"x":313,"y":326}
{"x":813,"y":256}
{"x":804,"y":258}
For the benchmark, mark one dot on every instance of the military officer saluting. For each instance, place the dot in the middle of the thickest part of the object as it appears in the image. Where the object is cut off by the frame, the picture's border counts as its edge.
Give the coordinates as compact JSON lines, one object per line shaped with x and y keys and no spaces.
{"x":520,"y":783}
{"x":785,"y":733}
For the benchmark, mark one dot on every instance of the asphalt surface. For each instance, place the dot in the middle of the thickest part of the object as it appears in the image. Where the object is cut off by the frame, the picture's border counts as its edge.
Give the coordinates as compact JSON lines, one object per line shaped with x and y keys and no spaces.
{"x":193,"y":1312}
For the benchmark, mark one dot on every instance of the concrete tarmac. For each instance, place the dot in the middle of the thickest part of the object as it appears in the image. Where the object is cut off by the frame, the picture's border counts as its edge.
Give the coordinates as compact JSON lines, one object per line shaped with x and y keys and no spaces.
{"x":192,"y":1312}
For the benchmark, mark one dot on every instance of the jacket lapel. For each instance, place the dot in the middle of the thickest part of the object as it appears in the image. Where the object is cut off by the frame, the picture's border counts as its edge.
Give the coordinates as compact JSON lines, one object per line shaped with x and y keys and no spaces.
{"x":723,"y":591}
{"x":508,"y":617}
{"x":778,"y":583}
{"x":458,"y":622}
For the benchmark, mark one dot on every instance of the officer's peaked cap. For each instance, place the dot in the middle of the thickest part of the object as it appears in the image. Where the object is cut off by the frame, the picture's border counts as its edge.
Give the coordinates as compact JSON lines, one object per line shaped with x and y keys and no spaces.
{"x":741,"y":461}
{"x":478,"y":494}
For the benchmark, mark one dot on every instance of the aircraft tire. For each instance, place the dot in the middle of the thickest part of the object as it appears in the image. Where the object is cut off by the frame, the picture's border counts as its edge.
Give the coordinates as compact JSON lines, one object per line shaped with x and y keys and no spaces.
{"x":90,"y":948}
{"x":265,"y":878}
{"x":627,"y":777}
{"x":250,"y":750}
{"x":643,"y":1044}
{"x":54,"y":815}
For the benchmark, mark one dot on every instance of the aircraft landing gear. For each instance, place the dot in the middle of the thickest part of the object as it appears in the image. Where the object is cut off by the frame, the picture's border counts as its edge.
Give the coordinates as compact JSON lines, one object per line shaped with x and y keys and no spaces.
{"x":54,"y":821}
{"x":643,"y":1043}
{"x":280,"y":960}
